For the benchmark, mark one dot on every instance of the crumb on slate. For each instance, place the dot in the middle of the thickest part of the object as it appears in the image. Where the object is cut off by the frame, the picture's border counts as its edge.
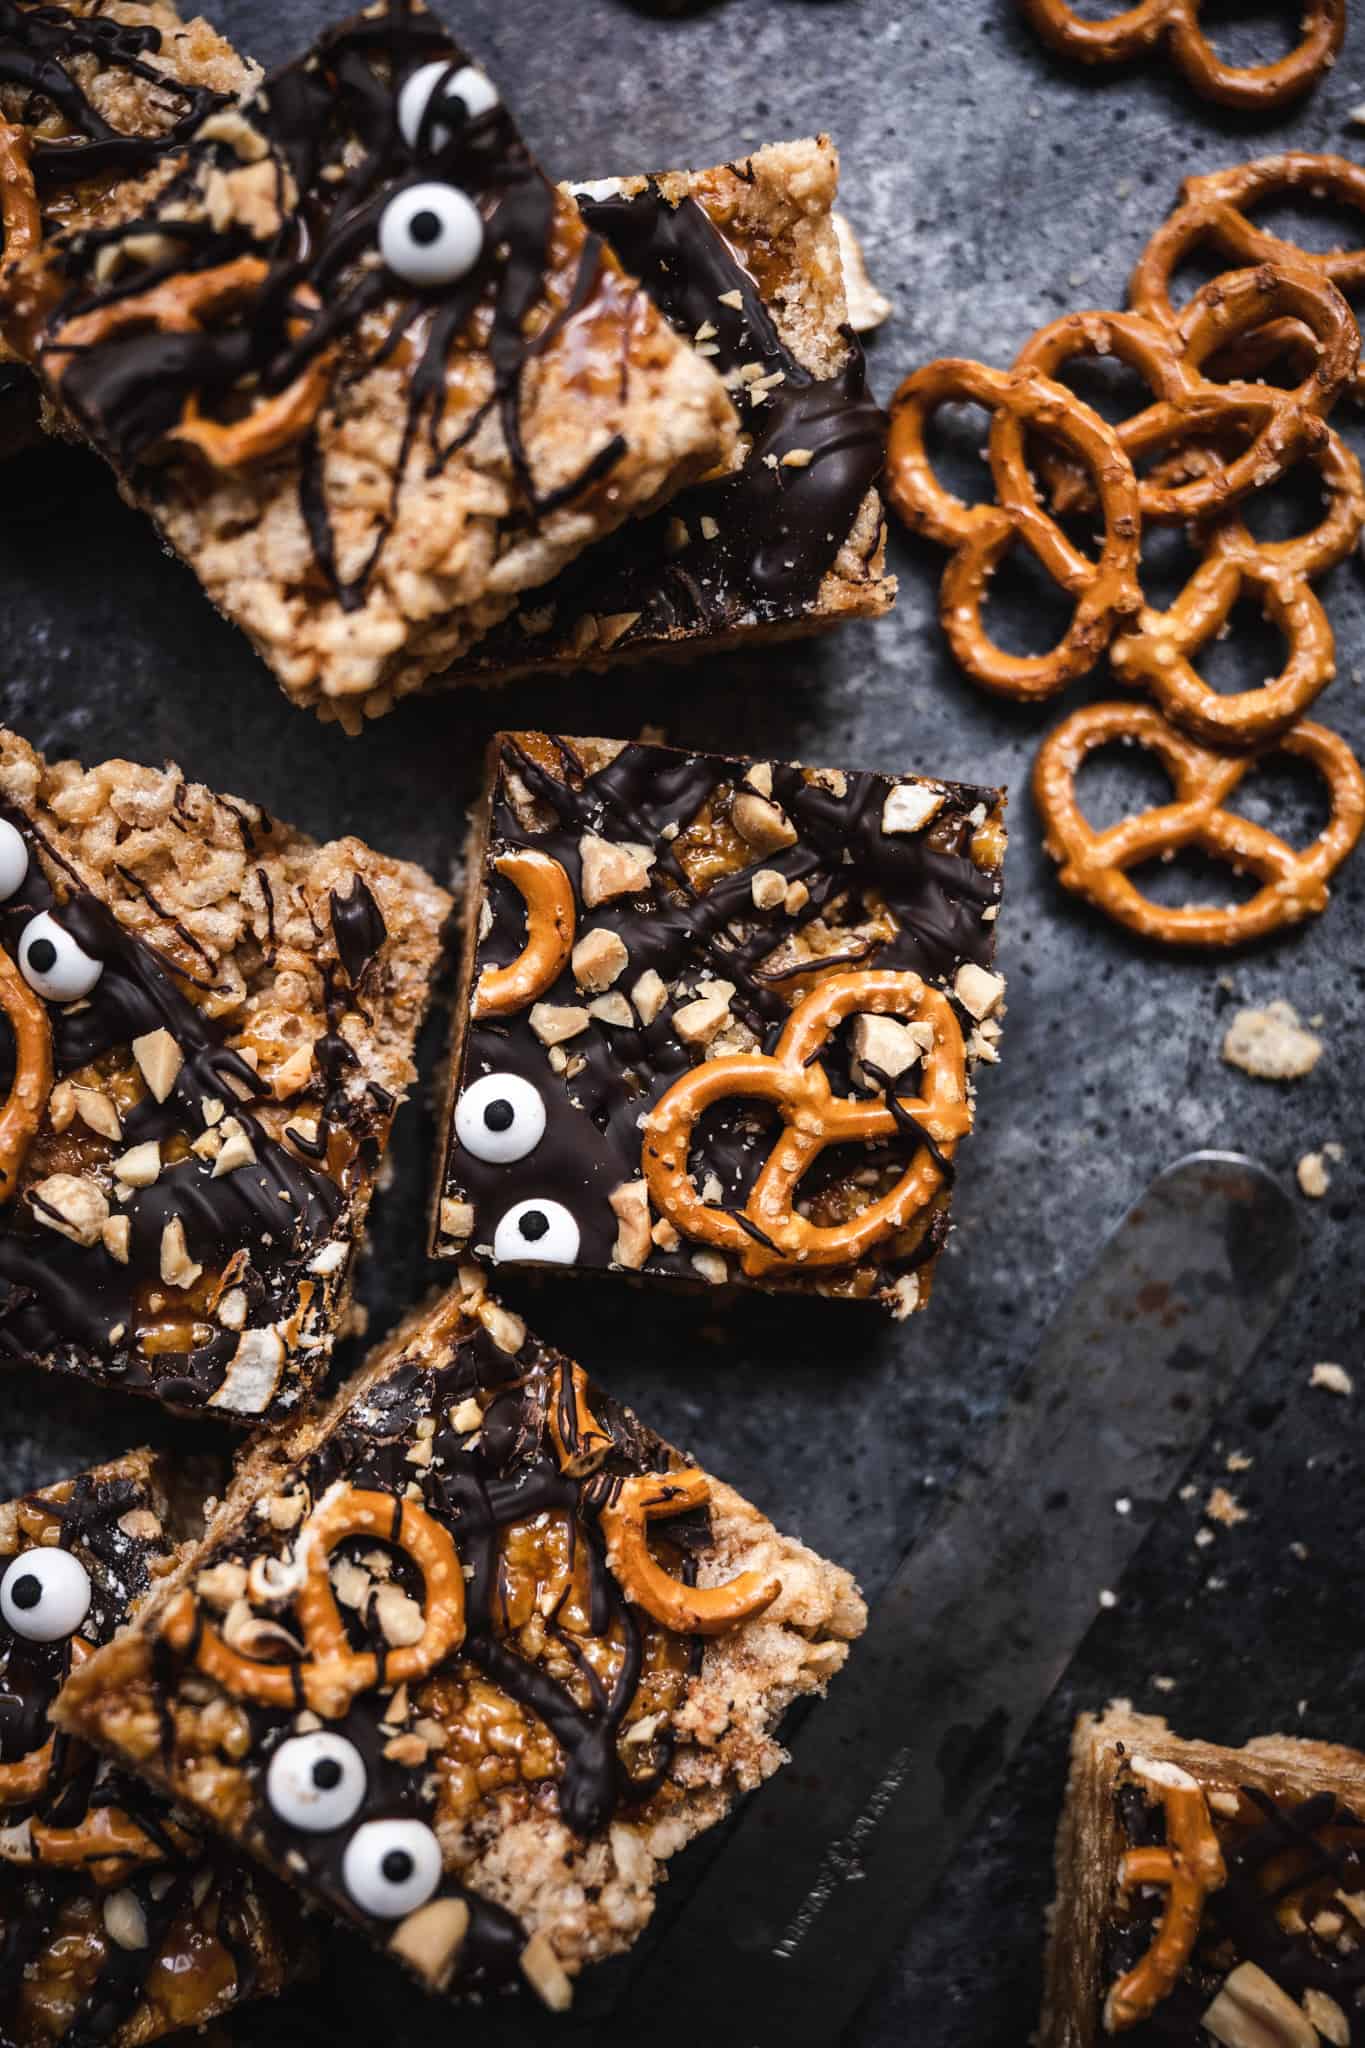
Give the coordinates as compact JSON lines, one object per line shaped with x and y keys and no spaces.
{"x":1333,"y":1379}
{"x":1271,"y":1044}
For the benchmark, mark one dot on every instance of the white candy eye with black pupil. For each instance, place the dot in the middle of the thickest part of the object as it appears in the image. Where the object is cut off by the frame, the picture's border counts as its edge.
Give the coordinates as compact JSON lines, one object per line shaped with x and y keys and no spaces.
{"x":539,"y":1230}
{"x":316,"y":1782}
{"x":461,"y":96}
{"x":45,"y":1595}
{"x":13,"y":860}
{"x":431,"y":235}
{"x":52,"y":963}
{"x":500,"y":1118}
{"x":391,"y":1867}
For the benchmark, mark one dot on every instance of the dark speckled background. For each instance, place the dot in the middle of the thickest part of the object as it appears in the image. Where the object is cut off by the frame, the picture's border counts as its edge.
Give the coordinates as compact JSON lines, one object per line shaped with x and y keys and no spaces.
{"x":994,"y":188}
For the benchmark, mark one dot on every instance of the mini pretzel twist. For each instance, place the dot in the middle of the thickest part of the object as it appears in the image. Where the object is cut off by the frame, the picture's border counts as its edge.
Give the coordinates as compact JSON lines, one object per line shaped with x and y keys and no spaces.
{"x":28,"y":1777}
{"x":1278,"y":425}
{"x":1105,"y":591}
{"x":32,"y":1083}
{"x":1095,"y":864}
{"x":1213,"y":214}
{"x":687,"y":1610}
{"x":768,"y":1233}
{"x":106,"y":1843}
{"x":333,"y":1672}
{"x":180,"y":305}
{"x":1189,"y":1867}
{"x":547,"y":892}
{"x":1141,"y":28}
{"x":1157,"y":652}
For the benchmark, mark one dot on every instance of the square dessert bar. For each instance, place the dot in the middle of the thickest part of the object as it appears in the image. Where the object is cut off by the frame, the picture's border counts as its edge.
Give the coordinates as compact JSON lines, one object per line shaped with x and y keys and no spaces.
{"x":119,"y":1920}
{"x":370,"y":374}
{"x":468,"y":1658}
{"x":1207,"y":1894}
{"x":744,"y":260}
{"x":212,"y":1021}
{"x":719,"y":1017}
{"x":94,"y":99}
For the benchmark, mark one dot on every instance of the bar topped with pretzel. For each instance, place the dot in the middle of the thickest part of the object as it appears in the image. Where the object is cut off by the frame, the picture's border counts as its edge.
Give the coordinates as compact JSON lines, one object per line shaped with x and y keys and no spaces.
{"x":212,"y":1020}
{"x":470,"y":1656}
{"x":119,"y":1922}
{"x":368,"y":372}
{"x":720,"y":1017}
{"x":1207,"y":1893}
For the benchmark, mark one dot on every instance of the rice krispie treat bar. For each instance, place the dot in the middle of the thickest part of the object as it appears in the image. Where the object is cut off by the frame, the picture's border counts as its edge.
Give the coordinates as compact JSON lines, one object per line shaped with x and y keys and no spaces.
{"x":95,"y":97}
{"x":1207,"y":1894}
{"x":119,"y":1920}
{"x":719,"y":1018}
{"x":370,"y":374}
{"x":213,"y":1020}
{"x":470,"y":1657}
{"x":745,"y":261}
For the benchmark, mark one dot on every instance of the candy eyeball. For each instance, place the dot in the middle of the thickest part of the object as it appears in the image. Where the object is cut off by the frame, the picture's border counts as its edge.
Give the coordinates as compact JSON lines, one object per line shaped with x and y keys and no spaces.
{"x":13,"y":860}
{"x":391,"y":1867}
{"x":431,"y":235}
{"x":459,"y":95}
{"x":540,"y":1231}
{"x":53,"y":963}
{"x":316,"y":1782}
{"x":500,"y":1118}
{"x":45,"y":1595}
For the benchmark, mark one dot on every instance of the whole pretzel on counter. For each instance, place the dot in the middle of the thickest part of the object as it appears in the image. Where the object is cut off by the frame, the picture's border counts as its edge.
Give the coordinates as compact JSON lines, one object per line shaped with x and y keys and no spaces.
{"x":1258,"y":87}
{"x":1156,"y":652}
{"x":1213,"y":213}
{"x":1105,"y":591}
{"x":769,"y":1233}
{"x":1095,"y":864}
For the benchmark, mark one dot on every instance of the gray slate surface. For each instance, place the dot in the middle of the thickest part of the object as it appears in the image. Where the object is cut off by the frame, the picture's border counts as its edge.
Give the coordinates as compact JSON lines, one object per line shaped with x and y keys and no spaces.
{"x":994,"y":188}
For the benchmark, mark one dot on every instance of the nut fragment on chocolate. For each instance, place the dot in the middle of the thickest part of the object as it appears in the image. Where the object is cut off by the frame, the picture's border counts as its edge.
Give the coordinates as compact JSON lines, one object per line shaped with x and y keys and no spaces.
{"x":1201,"y":1891}
{"x":419,"y":384}
{"x":514,"y":1652}
{"x":166,"y":1928}
{"x":781,"y":957}
{"x":176,"y":1246}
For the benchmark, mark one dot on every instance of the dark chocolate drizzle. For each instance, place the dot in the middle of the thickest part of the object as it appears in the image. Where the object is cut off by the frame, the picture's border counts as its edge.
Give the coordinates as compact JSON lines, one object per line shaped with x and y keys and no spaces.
{"x":778,"y":529}
{"x":78,"y":1308}
{"x":130,"y":389}
{"x":1314,"y":1846}
{"x":477,"y":1487}
{"x":37,"y":46}
{"x":592,"y":1142}
{"x":37,"y":1899}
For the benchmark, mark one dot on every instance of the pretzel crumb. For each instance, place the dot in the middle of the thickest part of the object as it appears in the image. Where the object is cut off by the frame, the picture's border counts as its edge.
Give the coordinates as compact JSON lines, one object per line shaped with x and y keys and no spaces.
{"x":1313,"y":1177}
{"x":1332,"y":1379}
{"x":1271,"y":1044}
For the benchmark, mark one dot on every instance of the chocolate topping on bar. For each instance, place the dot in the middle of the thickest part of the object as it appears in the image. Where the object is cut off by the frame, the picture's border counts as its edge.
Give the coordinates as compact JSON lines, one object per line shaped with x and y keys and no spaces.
{"x":1288,"y":1863}
{"x":253,"y":1227}
{"x":861,"y":897}
{"x":757,"y":542}
{"x":310,"y":306}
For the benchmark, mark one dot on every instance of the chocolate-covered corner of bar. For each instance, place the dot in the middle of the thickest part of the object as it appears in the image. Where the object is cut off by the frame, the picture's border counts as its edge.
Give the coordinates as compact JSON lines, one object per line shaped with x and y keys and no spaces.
{"x":748,"y":551}
{"x":116,"y":1923}
{"x":722,"y":1018}
{"x":442,"y":1650}
{"x":186,"y":1161}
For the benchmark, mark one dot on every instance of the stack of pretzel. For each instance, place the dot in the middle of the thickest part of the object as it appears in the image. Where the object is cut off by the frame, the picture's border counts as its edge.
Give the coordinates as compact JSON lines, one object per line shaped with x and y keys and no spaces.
{"x":1216,"y":434}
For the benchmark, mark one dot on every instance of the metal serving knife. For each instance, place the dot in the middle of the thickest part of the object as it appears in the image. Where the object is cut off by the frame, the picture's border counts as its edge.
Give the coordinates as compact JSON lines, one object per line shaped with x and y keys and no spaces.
{"x":812,"y":1892}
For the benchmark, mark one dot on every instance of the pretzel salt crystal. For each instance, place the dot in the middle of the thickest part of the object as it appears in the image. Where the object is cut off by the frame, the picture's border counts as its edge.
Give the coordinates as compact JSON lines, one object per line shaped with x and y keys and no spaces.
{"x":1095,"y":864}
{"x":1188,"y":1868}
{"x":547,"y":892}
{"x":1119,"y":37}
{"x":179,"y":305}
{"x":769,"y":1233}
{"x":32,"y":1083}
{"x":1157,"y":652}
{"x":331,"y":1675}
{"x":1105,"y":591}
{"x":687,"y":1610}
